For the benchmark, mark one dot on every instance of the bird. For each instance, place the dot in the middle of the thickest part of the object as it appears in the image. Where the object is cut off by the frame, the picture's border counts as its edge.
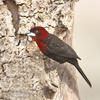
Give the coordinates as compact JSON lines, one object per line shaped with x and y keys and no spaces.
{"x":55,"y":48}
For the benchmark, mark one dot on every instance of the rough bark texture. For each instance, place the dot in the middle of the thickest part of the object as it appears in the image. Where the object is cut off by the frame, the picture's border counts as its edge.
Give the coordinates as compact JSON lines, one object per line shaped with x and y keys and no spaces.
{"x":25,"y":74}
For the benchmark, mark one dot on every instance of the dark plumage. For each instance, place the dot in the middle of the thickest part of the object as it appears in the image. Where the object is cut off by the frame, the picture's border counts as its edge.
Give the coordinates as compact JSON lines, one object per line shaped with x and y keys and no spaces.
{"x":58,"y":50}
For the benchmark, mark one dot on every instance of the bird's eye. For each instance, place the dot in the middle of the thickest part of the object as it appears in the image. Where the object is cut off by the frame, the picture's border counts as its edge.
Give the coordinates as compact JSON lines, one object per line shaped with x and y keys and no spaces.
{"x":37,"y":32}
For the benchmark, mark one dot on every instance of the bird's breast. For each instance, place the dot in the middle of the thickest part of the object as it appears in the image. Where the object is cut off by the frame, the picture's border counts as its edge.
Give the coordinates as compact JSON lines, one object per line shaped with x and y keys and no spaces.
{"x":42,"y":46}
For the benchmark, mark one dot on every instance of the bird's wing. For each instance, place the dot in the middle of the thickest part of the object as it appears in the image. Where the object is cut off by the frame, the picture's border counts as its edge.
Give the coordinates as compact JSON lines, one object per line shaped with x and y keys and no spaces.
{"x":58,"y":47}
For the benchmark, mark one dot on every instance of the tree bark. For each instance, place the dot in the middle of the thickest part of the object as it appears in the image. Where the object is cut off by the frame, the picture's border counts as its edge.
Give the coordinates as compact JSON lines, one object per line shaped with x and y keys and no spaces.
{"x":25,"y":73}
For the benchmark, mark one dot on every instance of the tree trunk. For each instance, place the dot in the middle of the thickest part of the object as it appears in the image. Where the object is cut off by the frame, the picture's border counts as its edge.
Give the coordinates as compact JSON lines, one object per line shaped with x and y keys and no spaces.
{"x":25,"y":73}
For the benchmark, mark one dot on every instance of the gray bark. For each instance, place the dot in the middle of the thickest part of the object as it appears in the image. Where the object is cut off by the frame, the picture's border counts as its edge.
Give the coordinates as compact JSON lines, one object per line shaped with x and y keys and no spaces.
{"x":25,"y":73}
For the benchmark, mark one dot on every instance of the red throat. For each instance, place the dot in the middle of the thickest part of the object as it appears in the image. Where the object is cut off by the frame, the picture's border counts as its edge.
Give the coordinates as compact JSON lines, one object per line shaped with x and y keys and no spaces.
{"x":40,"y":44}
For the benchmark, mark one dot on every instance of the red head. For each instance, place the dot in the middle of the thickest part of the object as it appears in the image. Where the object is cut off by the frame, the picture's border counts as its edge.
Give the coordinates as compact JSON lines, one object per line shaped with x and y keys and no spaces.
{"x":39,"y":34}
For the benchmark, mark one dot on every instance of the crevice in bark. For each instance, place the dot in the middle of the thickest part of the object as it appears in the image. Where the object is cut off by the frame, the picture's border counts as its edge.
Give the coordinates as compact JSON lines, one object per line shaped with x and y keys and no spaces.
{"x":3,"y":70}
{"x":13,"y":8}
{"x":48,"y":92}
{"x":2,"y":66}
{"x":61,"y":28}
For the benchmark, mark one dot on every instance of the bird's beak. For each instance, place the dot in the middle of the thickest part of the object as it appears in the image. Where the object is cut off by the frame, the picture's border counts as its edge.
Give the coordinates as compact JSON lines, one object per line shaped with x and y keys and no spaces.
{"x":30,"y":33}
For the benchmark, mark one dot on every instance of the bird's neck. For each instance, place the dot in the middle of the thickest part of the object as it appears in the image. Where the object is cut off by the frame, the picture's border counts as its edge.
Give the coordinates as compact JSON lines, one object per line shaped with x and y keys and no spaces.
{"x":41,"y":45}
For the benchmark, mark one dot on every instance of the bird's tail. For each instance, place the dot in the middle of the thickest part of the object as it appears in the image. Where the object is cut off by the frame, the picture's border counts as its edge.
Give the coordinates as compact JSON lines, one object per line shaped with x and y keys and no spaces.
{"x":75,"y":63}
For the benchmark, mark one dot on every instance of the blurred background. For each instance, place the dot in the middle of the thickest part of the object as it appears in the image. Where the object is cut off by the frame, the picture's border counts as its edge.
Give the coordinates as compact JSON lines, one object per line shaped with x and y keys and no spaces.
{"x":87,"y":45}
